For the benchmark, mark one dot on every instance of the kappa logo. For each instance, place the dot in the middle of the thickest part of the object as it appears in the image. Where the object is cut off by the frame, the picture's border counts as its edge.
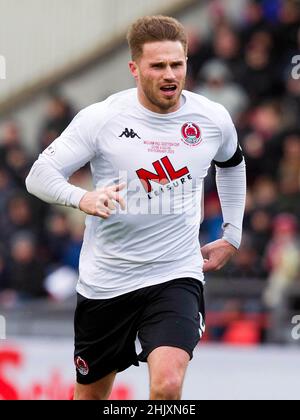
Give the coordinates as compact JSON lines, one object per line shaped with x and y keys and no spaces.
{"x":129,"y":134}
{"x":81,"y":366}
{"x":191,"y":134}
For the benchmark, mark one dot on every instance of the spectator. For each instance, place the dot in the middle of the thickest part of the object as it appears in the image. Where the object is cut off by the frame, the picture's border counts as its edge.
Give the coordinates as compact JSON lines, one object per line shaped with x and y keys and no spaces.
{"x":282,"y":258}
{"x":7,"y":187}
{"x":4,"y":276}
{"x":27,"y":272}
{"x":58,"y":116}
{"x":17,"y":217}
{"x":260,"y":224}
{"x":291,"y":100}
{"x":257,"y":74}
{"x":287,"y":29}
{"x":72,"y":251}
{"x":254,"y":20}
{"x":213,"y":218}
{"x":246,"y":264}
{"x":227,"y":48}
{"x":289,"y":166}
{"x":218,"y":87}
{"x":13,"y":156}
{"x":199,"y":52}
{"x":57,"y":237}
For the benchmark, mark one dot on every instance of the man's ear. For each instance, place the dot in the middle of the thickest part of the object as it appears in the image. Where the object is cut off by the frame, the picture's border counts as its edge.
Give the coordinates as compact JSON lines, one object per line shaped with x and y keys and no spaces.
{"x":133,"y":69}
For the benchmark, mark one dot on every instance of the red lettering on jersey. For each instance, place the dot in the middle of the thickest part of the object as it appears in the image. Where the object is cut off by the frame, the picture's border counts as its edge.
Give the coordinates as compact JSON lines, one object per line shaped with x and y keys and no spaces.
{"x":146,"y":176}
{"x":171,"y":171}
{"x":162,"y":176}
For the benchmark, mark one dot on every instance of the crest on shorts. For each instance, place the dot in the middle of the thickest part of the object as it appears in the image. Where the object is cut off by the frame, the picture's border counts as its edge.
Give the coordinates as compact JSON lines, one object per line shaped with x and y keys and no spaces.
{"x":191,"y":134}
{"x":81,"y":366}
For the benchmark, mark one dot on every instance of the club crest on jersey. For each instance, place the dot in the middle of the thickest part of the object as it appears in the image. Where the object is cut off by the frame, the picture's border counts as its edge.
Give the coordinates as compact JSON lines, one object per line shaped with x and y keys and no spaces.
{"x":81,"y":366}
{"x":191,"y":134}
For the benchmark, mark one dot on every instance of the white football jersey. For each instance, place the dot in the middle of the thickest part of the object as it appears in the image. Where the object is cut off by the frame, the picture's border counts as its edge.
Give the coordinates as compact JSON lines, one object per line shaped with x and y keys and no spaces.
{"x":163,"y":158}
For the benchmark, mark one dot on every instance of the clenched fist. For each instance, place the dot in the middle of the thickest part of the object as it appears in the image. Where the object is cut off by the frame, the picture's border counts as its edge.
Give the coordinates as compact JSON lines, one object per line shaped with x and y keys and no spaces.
{"x":103,"y":201}
{"x":216,"y":254}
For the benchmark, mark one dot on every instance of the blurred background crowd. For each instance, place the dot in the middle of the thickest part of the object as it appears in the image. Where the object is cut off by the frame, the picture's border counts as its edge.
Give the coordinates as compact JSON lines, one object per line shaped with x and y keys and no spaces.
{"x":248,"y":67}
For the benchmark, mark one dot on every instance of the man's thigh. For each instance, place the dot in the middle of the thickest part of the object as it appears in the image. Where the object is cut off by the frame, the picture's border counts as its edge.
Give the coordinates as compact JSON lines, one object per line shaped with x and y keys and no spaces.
{"x":99,"y":390}
{"x":174,"y":317}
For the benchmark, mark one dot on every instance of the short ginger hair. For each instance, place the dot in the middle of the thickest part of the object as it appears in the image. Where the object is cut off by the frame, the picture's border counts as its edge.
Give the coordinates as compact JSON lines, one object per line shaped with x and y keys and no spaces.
{"x":154,"y":29}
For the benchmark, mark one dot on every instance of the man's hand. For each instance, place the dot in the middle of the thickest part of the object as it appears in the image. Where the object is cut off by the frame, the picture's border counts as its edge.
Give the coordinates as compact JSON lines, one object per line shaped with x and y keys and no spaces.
{"x":216,"y":254}
{"x":103,"y":201}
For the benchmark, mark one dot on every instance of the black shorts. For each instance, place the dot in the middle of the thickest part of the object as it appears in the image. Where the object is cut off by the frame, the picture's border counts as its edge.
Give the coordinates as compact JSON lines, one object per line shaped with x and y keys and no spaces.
{"x":167,"y":314}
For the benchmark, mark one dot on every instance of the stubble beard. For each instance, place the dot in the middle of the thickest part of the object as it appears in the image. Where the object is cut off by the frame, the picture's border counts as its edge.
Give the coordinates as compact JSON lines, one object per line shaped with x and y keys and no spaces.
{"x":162,"y":104}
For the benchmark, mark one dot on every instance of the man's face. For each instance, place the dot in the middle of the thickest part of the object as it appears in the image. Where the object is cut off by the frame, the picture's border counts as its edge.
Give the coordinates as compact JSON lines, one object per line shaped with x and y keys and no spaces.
{"x":160,"y":74}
